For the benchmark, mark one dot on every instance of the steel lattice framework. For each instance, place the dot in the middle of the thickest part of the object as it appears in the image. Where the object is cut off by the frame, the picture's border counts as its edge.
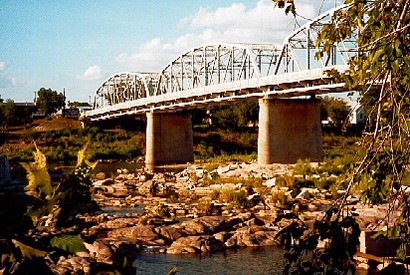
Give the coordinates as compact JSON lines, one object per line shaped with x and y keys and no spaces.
{"x":220,"y":72}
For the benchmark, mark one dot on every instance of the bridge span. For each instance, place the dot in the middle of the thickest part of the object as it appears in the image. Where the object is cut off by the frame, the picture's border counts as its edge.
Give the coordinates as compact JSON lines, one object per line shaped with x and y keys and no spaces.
{"x":284,"y":78}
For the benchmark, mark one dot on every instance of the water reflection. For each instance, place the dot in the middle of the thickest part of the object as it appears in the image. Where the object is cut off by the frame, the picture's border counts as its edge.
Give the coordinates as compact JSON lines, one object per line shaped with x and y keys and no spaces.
{"x":264,"y":260}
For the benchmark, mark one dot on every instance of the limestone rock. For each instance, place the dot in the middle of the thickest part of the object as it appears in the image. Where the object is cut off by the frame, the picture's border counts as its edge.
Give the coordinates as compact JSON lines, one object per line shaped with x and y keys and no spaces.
{"x":99,"y":251}
{"x":203,"y":225}
{"x":100,"y":176}
{"x":143,"y":233}
{"x":196,"y":244}
{"x":169,"y":233}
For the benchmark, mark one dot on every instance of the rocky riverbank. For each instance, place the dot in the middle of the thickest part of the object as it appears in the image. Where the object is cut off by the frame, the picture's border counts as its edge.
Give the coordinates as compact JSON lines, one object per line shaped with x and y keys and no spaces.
{"x":197,"y":211}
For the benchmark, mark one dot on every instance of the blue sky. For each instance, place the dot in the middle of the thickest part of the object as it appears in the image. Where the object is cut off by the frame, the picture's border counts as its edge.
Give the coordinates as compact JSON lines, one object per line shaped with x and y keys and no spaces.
{"x":76,"y":44}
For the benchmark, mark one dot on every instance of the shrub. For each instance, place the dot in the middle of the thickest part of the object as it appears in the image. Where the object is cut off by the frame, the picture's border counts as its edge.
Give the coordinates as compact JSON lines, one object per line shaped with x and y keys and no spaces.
{"x":325,"y":183}
{"x":285,"y":180}
{"x":279,"y":195}
{"x":302,"y":167}
{"x":238,"y":198}
{"x":205,"y":204}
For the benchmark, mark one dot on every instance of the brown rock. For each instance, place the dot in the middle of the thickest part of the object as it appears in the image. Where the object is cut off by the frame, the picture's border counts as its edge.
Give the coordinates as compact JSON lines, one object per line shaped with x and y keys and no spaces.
{"x":169,"y":233}
{"x":143,"y":233}
{"x":100,"y":176}
{"x":196,"y":244}
{"x":100,"y":251}
{"x":193,"y":227}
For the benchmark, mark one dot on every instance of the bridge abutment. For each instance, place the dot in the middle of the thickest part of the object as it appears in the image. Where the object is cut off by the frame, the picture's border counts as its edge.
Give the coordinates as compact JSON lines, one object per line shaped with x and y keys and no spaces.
{"x":169,"y":139}
{"x":289,"y":129}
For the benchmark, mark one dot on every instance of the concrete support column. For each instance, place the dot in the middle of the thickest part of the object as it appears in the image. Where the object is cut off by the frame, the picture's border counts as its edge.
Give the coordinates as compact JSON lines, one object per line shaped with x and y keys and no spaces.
{"x":289,"y":129}
{"x":168,"y":139}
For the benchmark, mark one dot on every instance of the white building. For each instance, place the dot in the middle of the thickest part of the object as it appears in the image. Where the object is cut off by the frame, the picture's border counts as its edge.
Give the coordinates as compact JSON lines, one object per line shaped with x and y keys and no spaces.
{"x":357,"y":114}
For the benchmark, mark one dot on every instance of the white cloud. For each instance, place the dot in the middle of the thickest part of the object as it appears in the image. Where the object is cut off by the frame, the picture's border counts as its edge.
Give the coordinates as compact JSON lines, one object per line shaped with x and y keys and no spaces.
{"x":234,"y":24}
{"x":2,"y":65}
{"x":92,"y":73}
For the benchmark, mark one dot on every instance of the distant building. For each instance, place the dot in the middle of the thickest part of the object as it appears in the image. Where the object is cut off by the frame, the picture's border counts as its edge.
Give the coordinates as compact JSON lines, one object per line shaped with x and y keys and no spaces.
{"x":71,"y":112}
{"x":357,"y":115}
{"x":28,"y":109}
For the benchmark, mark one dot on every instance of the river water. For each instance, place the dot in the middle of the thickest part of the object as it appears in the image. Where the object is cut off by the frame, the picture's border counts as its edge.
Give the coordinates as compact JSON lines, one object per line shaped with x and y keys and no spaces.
{"x":259,"y":260}
{"x":263,"y":260}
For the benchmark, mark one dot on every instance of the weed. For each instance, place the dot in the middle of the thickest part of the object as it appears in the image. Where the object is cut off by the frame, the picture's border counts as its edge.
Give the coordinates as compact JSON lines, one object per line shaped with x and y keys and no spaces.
{"x":205,"y":205}
{"x":302,"y":167}
{"x":238,"y":198}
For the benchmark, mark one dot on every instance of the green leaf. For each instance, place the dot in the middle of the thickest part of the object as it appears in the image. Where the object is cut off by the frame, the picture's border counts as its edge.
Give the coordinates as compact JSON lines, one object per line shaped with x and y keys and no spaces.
{"x":69,"y":243}
{"x":29,"y":251}
{"x":377,"y":55}
{"x":379,"y":234}
{"x":37,"y":174}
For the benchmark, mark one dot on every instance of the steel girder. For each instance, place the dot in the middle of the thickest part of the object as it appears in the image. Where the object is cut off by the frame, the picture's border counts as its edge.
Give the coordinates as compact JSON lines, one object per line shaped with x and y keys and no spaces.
{"x":217,"y":64}
{"x":123,"y":87}
{"x":299,"y":49}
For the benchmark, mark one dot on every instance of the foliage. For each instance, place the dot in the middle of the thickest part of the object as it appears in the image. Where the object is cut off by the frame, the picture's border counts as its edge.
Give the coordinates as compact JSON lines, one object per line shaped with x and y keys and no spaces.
{"x":28,"y":251}
{"x":288,"y":5}
{"x":71,"y":196}
{"x":8,"y":112}
{"x":69,"y":243}
{"x":61,"y":203}
{"x":238,"y":198}
{"x":380,"y":71}
{"x":38,"y":177}
{"x":205,"y":204}
{"x":49,"y":101}
{"x":334,"y":108}
{"x":235,"y":115}
{"x":302,"y":167}
{"x":279,"y":195}
{"x":340,"y":235}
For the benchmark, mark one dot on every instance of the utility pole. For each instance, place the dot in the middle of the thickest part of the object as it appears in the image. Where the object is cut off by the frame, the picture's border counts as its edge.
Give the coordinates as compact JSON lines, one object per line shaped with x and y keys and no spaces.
{"x":64,"y":97}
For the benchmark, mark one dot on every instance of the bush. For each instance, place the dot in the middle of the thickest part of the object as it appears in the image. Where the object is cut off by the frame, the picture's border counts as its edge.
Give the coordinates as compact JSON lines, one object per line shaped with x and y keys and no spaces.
{"x":285,"y":180}
{"x":238,"y":198}
{"x":205,"y":205}
{"x":302,"y":167}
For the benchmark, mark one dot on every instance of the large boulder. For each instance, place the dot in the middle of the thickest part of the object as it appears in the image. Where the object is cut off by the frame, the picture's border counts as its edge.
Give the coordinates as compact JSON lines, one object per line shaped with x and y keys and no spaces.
{"x":203,"y":225}
{"x":142,"y":233}
{"x":100,"y":251}
{"x":196,"y":244}
{"x":169,"y":233}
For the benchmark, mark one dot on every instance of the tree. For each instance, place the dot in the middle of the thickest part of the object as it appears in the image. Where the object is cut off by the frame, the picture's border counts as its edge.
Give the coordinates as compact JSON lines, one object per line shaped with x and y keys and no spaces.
{"x":334,"y":108}
{"x":383,"y":60}
{"x":49,"y":101}
{"x":8,"y":110}
{"x":236,"y":115}
{"x":380,"y":71}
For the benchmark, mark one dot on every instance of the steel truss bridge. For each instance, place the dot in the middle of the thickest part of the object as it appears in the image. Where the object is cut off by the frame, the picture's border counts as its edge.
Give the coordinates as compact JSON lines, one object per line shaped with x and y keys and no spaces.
{"x":225,"y":72}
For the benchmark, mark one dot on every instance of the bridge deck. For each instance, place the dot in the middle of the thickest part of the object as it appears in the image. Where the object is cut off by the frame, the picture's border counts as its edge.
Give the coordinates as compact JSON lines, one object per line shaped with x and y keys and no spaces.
{"x":303,"y":83}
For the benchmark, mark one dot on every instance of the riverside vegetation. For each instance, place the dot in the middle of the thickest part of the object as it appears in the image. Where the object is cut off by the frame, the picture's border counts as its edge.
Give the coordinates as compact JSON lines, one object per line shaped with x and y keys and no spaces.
{"x":224,"y":200}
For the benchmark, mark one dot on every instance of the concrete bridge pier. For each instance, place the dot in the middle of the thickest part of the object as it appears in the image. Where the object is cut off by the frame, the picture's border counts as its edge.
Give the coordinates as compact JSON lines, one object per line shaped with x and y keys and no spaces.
{"x":289,"y":129}
{"x":168,"y":139}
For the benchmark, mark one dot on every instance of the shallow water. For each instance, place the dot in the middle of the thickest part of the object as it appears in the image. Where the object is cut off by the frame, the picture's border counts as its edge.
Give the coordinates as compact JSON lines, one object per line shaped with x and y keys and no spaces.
{"x":244,"y":261}
{"x":265,"y":260}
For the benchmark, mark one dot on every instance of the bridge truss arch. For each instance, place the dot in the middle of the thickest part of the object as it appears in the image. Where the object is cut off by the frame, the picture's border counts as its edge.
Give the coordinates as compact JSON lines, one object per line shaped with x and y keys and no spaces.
{"x":219,"y":72}
{"x":123,"y":87}
{"x":218,"y":64}
{"x":299,"y":49}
